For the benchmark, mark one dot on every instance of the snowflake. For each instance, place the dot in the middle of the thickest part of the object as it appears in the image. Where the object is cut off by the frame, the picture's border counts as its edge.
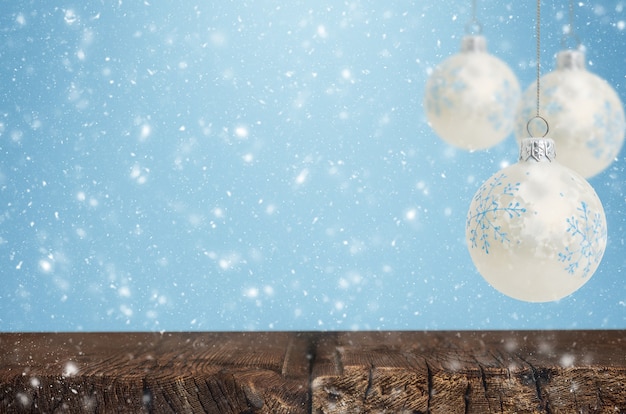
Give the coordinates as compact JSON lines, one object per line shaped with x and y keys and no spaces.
{"x":506,"y":97}
{"x":443,"y":82}
{"x":487,"y":210}
{"x":553,"y":106}
{"x":585,"y":228}
{"x":609,"y":129}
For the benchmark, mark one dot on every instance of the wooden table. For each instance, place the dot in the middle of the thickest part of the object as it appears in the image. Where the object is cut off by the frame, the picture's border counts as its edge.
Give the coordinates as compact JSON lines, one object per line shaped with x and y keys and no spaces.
{"x":315,"y":372}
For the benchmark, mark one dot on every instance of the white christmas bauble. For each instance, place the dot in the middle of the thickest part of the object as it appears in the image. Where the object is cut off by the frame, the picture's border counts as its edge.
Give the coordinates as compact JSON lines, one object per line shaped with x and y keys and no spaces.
{"x":536,"y":230}
{"x":586,"y":115}
{"x":472,"y":91}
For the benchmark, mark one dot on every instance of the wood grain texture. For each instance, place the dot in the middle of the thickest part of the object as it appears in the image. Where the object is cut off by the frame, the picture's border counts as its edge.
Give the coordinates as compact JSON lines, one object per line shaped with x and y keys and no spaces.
{"x":471,"y":372}
{"x":314,"y":372}
{"x":145,"y":372}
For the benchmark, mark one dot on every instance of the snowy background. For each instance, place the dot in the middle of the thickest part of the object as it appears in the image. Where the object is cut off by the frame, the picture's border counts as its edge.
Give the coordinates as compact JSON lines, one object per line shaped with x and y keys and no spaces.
{"x":264,"y":165}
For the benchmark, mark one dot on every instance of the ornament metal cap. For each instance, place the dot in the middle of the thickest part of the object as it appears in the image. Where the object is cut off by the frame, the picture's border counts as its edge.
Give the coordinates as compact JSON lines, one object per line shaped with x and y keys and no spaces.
{"x":570,"y":59}
{"x":537,"y":150}
{"x":473,"y":43}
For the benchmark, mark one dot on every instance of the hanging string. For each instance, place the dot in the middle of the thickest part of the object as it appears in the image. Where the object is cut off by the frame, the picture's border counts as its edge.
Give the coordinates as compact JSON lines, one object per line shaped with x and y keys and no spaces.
{"x":570,"y":24}
{"x":538,"y":116}
{"x":538,"y":35}
{"x":473,"y":10}
{"x":571,"y":31}
{"x":473,"y":27}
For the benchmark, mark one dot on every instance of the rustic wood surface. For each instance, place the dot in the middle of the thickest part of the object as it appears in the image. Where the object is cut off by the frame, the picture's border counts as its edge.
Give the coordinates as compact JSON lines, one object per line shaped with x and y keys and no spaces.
{"x":151,"y":372}
{"x":471,"y":372}
{"x":315,"y":372}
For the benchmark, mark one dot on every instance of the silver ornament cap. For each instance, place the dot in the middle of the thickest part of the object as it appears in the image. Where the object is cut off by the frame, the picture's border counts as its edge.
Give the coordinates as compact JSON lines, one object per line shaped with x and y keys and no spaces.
{"x":537,"y":150}
{"x":570,"y":59}
{"x":474,"y":43}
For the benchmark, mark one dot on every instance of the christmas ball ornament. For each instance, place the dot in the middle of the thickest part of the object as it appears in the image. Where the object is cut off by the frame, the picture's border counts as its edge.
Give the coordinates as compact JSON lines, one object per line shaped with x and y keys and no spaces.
{"x":472,"y":91}
{"x":536,"y":230}
{"x":586,"y":115}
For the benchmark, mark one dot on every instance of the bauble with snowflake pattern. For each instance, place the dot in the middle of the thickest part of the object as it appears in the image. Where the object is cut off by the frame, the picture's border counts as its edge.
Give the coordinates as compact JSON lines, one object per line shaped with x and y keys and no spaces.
{"x":586,"y":116}
{"x":536,"y":230}
{"x":472,"y":91}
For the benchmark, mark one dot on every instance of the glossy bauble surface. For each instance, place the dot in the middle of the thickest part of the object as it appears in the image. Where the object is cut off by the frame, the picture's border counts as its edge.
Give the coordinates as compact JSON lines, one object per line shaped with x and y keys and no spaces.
{"x":585,"y":114}
{"x":536,"y":230}
{"x":471,"y":97}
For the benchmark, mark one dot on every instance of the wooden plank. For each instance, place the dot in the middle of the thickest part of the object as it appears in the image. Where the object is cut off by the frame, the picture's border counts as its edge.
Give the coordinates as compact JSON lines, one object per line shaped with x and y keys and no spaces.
{"x":323,"y":372}
{"x":470,"y":372}
{"x":149,"y":372}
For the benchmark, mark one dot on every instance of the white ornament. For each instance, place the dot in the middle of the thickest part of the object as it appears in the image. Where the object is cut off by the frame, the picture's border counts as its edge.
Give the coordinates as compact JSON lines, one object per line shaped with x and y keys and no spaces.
{"x":536,"y":230}
{"x":586,"y":115}
{"x":472,"y":91}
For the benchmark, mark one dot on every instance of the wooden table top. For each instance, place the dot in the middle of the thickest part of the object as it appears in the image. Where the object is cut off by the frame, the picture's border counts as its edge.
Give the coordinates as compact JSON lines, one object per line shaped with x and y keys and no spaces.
{"x":315,"y":372}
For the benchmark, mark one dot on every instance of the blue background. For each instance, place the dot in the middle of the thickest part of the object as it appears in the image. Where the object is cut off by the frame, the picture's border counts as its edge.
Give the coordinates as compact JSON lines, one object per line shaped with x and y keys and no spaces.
{"x":264,"y":165}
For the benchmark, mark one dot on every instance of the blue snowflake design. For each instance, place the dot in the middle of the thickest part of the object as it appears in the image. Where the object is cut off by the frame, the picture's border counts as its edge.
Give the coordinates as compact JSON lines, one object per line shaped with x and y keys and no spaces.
{"x":488,"y":208}
{"x":585,"y":226}
{"x":611,"y":121}
{"x":553,"y":106}
{"x":506,"y":96}
{"x":437,"y":99}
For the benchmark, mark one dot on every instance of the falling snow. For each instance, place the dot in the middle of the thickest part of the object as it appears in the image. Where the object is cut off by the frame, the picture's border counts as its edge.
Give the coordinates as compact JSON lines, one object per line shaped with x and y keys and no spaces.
{"x":239,"y":166}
